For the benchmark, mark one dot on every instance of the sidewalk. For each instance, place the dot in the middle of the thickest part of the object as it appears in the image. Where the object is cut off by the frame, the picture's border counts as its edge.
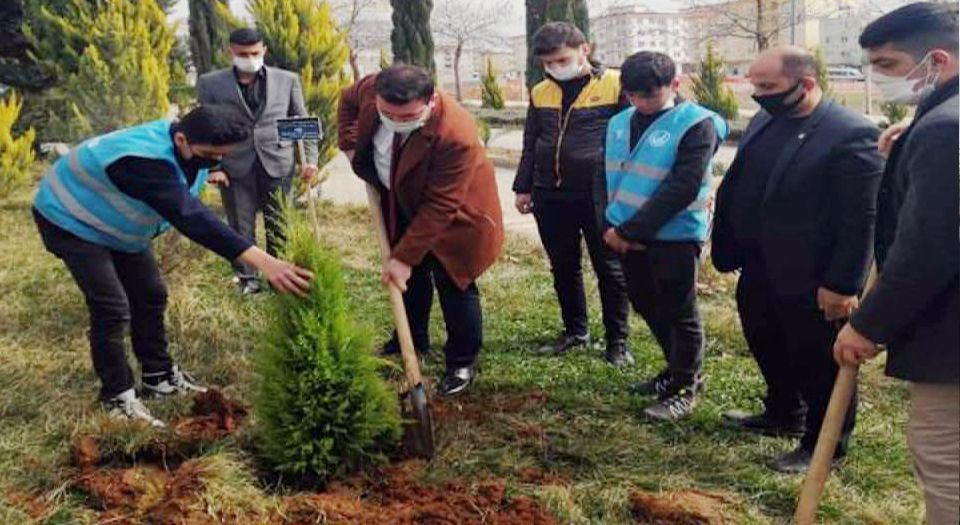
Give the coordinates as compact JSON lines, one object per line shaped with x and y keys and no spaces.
{"x":343,"y":187}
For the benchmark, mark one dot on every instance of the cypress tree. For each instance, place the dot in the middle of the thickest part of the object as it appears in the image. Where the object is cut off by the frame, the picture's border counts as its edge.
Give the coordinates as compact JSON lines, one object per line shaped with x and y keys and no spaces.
{"x":491,"y":96}
{"x":708,"y":87}
{"x":411,"y":39}
{"x":301,"y":36}
{"x":209,"y":34}
{"x":322,"y":408}
{"x":16,"y":153}
{"x":121,"y":76}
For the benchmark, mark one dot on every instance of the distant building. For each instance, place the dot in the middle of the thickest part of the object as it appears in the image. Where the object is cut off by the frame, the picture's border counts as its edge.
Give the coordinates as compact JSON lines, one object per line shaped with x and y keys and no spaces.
{"x":732,"y":27}
{"x":622,"y":30}
{"x":839,"y":35}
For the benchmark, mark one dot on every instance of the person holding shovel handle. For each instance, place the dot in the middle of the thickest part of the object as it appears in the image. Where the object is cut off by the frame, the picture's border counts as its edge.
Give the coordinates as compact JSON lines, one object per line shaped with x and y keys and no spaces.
{"x":914,"y":309}
{"x":98,"y":209}
{"x":422,"y":153}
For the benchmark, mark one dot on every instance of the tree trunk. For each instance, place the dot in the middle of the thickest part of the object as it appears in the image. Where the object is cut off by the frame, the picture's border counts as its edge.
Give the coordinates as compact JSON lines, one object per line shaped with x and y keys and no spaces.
{"x":456,"y":68}
{"x":354,"y":64}
{"x":411,"y":39}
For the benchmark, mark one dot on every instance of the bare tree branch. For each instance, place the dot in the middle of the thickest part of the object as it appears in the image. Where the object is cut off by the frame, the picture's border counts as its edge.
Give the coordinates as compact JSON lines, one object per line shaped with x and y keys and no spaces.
{"x":464,"y":22}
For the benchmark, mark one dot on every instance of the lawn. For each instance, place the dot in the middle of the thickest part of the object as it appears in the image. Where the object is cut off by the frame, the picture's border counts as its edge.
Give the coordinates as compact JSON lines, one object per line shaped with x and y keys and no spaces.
{"x":553,"y":437}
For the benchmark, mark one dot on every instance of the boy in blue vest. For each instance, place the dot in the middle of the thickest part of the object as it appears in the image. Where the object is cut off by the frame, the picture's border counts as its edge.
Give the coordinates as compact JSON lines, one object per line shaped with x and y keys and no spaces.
{"x":99,"y":208}
{"x":658,"y":160}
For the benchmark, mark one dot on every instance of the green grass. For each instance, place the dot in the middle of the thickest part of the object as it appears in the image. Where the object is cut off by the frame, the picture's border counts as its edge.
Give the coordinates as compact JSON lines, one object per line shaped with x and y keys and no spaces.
{"x":592,"y":435}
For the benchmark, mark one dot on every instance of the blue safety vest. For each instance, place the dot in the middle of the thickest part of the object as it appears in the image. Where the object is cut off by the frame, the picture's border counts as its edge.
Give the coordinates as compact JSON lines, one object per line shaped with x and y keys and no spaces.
{"x":77,"y":195}
{"x":634,"y":175}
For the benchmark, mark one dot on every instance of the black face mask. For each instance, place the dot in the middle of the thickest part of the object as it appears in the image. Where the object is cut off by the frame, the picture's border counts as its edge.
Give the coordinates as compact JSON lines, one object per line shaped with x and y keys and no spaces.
{"x":776,"y":104}
{"x":197,"y":163}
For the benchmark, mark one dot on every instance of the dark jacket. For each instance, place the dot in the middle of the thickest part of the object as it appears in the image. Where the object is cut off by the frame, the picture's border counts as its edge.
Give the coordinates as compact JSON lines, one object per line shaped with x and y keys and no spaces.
{"x":818,"y":209}
{"x":565,"y":152}
{"x":914,"y":308}
{"x":445,"y":183}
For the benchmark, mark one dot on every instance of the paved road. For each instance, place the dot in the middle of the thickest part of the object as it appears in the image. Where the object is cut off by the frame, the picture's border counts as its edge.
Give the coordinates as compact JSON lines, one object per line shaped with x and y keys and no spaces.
{"x":343,"y":187}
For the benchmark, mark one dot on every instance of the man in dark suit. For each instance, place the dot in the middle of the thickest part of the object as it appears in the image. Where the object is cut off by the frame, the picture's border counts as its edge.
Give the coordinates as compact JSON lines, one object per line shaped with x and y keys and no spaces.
{"x":914,"y":309}
{"x":251,"y":175}
{"x":795,"y":214}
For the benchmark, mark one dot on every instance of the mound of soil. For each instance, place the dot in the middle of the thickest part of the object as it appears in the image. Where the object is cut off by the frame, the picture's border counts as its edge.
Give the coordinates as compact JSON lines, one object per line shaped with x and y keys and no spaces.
{"x":394,"y":497}
{"x":686,"y":507}
{"x":214,"y":417}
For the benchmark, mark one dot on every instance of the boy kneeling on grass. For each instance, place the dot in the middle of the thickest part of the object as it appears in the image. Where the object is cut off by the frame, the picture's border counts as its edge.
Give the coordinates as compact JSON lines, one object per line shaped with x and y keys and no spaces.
{"x":658,"y":160}
{"x":99,"y":208}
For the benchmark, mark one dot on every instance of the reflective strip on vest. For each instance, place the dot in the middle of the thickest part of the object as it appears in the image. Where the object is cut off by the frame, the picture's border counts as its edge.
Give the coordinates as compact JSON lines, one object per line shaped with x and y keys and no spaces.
{"x":78,"y":211}
{"x":106,"y":193}
{"x":634,"y":173}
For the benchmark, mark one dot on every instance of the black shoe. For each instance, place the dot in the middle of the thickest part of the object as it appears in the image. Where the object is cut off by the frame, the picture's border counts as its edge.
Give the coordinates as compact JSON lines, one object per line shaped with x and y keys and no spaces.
{"x":656,"y":386}
{"x":456,"y":380}
{"x":563,"y":345}
{"x":798,"y":461}
{"x":676,"y":406}
{"x":618,"y":354}
{"x":766,"y":424}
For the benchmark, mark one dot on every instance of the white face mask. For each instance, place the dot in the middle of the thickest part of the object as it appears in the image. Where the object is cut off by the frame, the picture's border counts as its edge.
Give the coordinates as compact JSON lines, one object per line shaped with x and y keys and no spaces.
{"x":567,"y":72}
{"x":405,"y":127}
{"x":901,"y":89}
{"x":248,"y":64}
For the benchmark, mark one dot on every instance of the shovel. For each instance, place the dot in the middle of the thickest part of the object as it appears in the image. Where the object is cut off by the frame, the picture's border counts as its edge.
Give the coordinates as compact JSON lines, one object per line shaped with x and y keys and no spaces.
{"x":419,"y":429}
{"x":830,"y":430}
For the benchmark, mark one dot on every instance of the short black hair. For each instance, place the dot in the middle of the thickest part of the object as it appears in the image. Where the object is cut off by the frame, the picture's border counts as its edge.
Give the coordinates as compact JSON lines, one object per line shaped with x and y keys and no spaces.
{"x":646,"y":71}
{"x":914,"y":28}
{"x":214,"y":124}
{"x":403,"y":83}
{"x":800,"y":63}
{"x":245,"y":36}
{"x":554,"y":36}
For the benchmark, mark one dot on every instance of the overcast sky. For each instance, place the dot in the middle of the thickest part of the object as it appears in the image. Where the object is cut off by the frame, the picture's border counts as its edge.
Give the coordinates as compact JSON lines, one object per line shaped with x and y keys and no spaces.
{"x":514,"y":23}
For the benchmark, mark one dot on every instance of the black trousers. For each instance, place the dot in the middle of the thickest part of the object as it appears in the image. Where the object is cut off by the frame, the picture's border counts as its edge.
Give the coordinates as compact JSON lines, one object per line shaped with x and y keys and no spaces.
{"x":564,"y":222}
{"x":662,"y":286}
{"x":461,"y":313}
{"x":120,"y":289}
{"x":793,"y":346}
{"x":248,"y":194}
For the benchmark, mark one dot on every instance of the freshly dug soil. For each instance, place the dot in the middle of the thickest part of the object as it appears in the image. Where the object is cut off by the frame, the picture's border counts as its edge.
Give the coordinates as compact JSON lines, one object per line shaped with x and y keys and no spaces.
{"x":685,"y":507}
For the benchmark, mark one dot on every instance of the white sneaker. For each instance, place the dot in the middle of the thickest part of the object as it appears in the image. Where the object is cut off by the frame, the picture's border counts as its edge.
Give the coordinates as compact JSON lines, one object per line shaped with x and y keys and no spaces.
{"x":127,"y":407}
{"x":174,"y":381}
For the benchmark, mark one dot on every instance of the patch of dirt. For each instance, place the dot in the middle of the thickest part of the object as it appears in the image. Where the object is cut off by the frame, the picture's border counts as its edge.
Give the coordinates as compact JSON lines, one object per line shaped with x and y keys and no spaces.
{"x":214,"y":417}
{"x":30,"y":504}
{"x":146,"y":494}
{"x":394,"y":497}
{"x":476,"y":407}
{"x":685,"y":507}
{"x":86,"y":452}
{"x":540,"y":477}
{"x":126,"y":489}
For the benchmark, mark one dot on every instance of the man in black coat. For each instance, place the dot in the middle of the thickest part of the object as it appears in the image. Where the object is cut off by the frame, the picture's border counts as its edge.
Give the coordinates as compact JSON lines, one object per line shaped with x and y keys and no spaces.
{"x":914,"y":309}
{"x":795,"y":214}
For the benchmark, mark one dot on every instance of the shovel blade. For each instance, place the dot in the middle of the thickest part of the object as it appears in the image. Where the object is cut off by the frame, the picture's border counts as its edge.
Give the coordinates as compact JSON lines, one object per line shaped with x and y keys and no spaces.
{"x":418,"y":430}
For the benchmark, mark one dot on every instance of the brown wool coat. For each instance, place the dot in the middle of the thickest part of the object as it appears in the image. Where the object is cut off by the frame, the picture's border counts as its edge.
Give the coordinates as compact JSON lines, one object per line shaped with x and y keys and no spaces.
{"x":444,"y":183}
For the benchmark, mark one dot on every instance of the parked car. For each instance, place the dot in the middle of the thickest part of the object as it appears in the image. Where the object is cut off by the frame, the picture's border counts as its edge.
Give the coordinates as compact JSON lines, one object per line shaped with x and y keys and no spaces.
{"x":845,"y":73}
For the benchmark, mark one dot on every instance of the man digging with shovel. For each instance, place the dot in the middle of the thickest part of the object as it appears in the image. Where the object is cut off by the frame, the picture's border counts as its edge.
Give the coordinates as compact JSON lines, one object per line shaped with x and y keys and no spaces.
{"x":420,"y":150}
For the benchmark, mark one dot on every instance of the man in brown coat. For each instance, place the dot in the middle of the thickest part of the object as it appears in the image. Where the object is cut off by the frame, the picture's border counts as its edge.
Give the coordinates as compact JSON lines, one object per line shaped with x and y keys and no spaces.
{"x":421,"y":150}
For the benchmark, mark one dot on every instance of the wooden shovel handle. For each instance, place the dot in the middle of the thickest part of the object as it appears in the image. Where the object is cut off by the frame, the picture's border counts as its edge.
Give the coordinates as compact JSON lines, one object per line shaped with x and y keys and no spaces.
{"x":830,"y":431}
{"x":411,"y":365}
{"x":822,"y":460}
